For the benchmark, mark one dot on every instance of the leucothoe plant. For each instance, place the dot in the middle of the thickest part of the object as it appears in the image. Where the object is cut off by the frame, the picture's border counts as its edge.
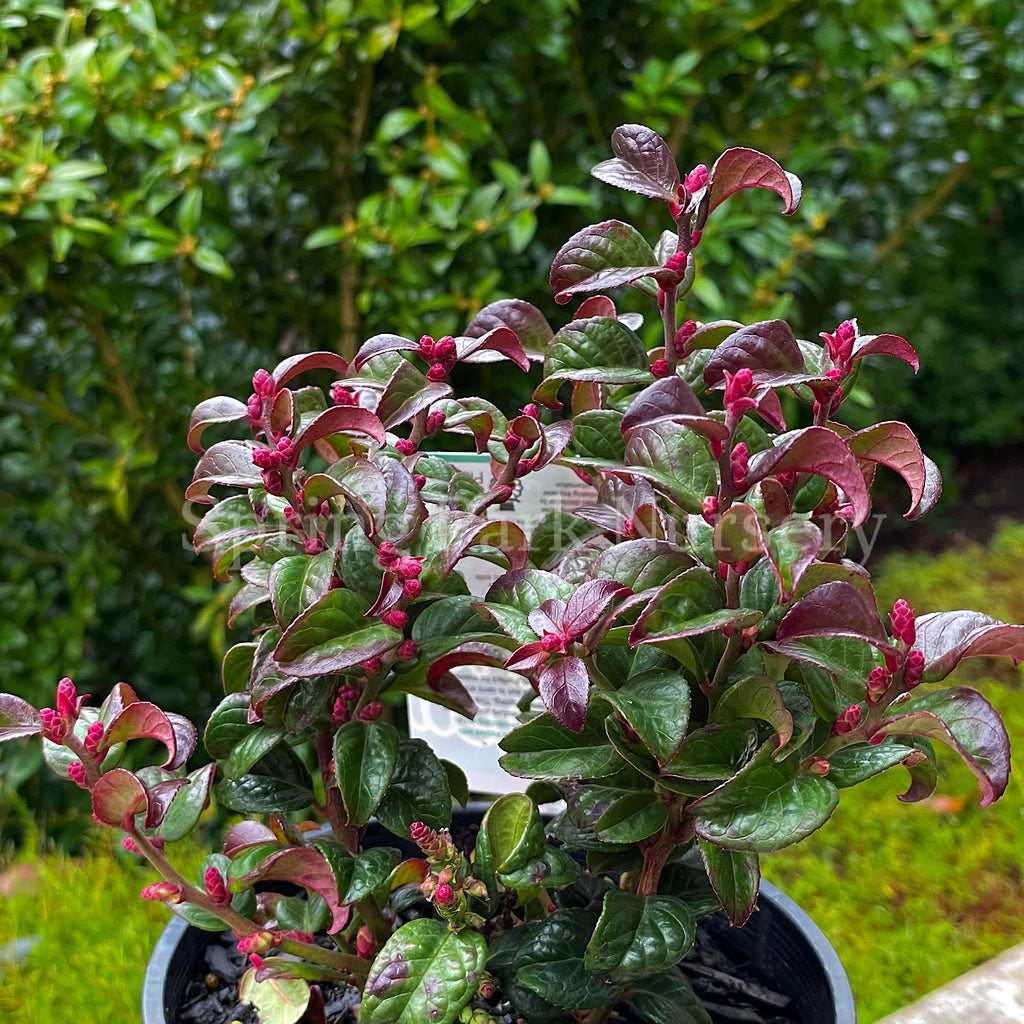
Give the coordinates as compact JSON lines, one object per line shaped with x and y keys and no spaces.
{"x":708,"y":669}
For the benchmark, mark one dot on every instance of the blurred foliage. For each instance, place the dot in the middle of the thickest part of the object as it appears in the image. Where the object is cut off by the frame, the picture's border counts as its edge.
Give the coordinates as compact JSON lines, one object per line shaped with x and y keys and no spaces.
{"x":189,"y":191}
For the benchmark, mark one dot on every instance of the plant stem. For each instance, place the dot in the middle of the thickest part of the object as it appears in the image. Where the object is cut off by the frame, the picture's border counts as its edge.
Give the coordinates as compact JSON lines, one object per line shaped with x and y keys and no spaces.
{"x":347,"y":963}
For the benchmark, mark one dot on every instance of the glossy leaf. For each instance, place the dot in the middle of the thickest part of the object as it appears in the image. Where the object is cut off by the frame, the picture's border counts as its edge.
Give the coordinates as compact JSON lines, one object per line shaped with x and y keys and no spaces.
{"x":424,"y":973}
{"x":365,"y":759}
{"x":17,"y":718}
{"x":222,"y":409}
{"x":668,"y":998}
{"x":331,"y":636}
{"x":525,"y":320}
{"x":946,"y":638}
{"x":836,"y":609}
{"x":631,"y":817}
{"x":792,"y":549}
{"x":295,"y":365}
{"x":418,"y":790}
{"x":656,"y":705}
{"x":513,"y":833}
{"x":600,"y":257}
{"x":736,"y":878}
{"x":885,"y":345}
{"x":545,"y":749}
{"x":766,"y":346}
{"x":962,"y":719}
{"x":893,"y":444}
{"x":741,"y":168}
{"x":228,"y":463}
{"x":188,"y":804}
{"x":117,"y":797}
{"x":370,"y":871}
{"x":643,"y":164}
{"x":298,"y":582}
{"x":142,"y":720}
{"x":861,"y":761}
{"x":675,"y":459}
{"x":767,"y":806}
{"x":564,"y":686}
{"x":714,"y":751}
{"x":664,"y":399}
{"x":277,"y":1000}
{"x":637,"y":936}
{"x":756,"y":697}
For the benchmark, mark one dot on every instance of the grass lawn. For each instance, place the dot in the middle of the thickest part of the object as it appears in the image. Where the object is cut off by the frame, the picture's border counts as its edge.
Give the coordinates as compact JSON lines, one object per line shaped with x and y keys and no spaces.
{"x":910,"y":895}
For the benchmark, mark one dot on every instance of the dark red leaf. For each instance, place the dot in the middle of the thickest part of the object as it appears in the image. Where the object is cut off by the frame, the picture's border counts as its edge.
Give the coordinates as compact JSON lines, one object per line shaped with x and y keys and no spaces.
{"x":664,"y":399}
{"x":247,"y":833}
{"x":118,"y":796}
{"x":306,"y":867}
{"x":742,"y":168}
{"x":589,"y":603}
{"x":893,"y":444}
{"x":490,"y":347}
{"x":529,"y":324}
{"x":564,"y":686}
{"x":596,"y":305}
{"x":294,"y":365}
{"x":158,"y":799}
{"x":834,"y":609}
{"x":768,"y":345}
{"x":117,"y":700}
{"x":945,"y":638}
{"x":379,"y":344}
{"x":340,"y":419}
{"x":643,"y":164}
{"x":142,"y":720}
{"x":885,"y":345}
{"x":601,"y":256}
{"x":228,"y":463}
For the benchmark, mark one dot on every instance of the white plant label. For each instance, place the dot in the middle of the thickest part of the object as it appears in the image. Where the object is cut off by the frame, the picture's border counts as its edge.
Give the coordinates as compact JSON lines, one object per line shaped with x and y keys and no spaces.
{"x":473,"y":745}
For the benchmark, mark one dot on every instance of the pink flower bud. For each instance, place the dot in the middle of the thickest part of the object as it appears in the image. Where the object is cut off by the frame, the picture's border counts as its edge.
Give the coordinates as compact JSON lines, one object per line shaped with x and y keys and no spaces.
{"x":405,"y":446}
{"x":532,"y":411}
{"x":373,"y":666}
{"x":273,"y":481}
{"x":313,"y":546}
{"x":68,"y":702}
{"x":129,"y":844}
{"x":254,"y":408}
{"x":848,"y":720}
{"x":366,"y":946}
{"x":444,"y":894}
{"x":503,"y":493}
{"x":55,"y":729}
{"x":677,"y":261}
{"x":216,"y":889}
{"x":738,"y":388}
{"x":264,"y":458}
{"x":709,"y":510}
{"x":739,"y":460}
{"x":913,"y":671}
{"x":395,"y":618}
{"x":407,"y":568}
{"x":555,"y":643}
{"x":407,"y":650}
{"x":347,"y":693}
{"x":660,"y":368}
{"x":445,"y":349}
{"x":263,"y":383}
{"x":285,"y":449}
{"x":371,"y":712}
{"x":341,"y":395}
{"x":437,"y":372}
{"x":386,"y":552}
{"x":683,"y":335}
{"x":418,"y":832}
{"x":435,"y":421}
{"x":525,"y":466}
{"x":426,"y":347}
{"x":411,"y":589}
{"x":818,"y":766}
{"x":93,"y":736}
{"x":696,"y":179}
{"x":902,"y":619}
{"x":419,"y":480}
{"x":76,"y":773}
{"x":162,"y":892}
{"x":340,"y":713}
{"x":878,"y":684}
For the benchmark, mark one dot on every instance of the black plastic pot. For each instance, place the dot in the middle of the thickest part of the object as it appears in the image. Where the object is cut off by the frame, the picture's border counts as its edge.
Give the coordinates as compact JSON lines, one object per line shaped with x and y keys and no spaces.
{"x":786,"y":947}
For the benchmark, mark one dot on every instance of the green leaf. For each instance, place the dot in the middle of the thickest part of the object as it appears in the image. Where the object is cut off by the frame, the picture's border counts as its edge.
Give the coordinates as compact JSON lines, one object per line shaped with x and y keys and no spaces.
{"x":365,"y":758}
{"x":756,"y":697}
{"x":212,"y":262}
{"x":514,"y":832}
{"x":677,"y":460}
{"x":861,"y":761}
{"x":637,"y":936}
{"x":371,"y":870}
{"x":551,"y":963}
{"x":278,"y":782}
{"x":544,"y":749}
{"x":668,"y":998}
{"x":736,"y":878}
{"x":297,"y":582}
{"x":187,"y":805}
{"x":424,"y":973}
{"x":257,"y":742}
{"x":418,"y":790}
{"x":767,"y":806}
{"x":632,"y":817}
{"x":656,"y":705}
{"x":277,"y":1000}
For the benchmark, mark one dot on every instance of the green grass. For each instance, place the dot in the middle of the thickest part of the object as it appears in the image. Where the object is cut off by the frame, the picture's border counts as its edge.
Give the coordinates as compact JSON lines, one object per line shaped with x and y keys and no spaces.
{"x":910,"y":895}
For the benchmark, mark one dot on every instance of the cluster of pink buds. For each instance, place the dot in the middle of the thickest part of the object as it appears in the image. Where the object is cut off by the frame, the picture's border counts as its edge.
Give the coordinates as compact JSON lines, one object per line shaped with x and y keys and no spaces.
{"x":407,"y":650}
{"x":691,"y":183}
{"x":216,"y":887}
{"x":878,"y":684}
{"x":371,"y":712}
{"x":342,"y":395}
{"x":660,"y":368}
{"x":405,"y":446}
{"x":256,"y":944}
{"x":441,"y":354}
{"x":848,"y":720}
{"x":343,"y":700}
{"x":709,"y":510}
{"x":434,"y":422}
{"x":263,"y":389}
{"x":58,"y":722}
{"x":902,"y":619}
{"x":840,"y":345}
{"x":436,"y":846}
{"x":162,"y":892}
{"x":272,"y":458}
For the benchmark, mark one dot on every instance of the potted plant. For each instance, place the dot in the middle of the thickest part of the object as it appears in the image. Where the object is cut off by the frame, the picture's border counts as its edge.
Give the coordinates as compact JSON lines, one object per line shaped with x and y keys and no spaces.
{"x":706,"y":670}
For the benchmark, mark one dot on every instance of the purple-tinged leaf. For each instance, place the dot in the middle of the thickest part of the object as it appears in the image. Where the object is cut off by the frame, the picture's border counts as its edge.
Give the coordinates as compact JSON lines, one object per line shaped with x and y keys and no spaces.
{"x":667,"y":398}
{"x":945,"y":638}
{"x":304,"y":361}
{"x":736,"y":878}
{"x":769,"y":407}
{"x":17,"y":718}
{"x":742,"y":168}
{"x":142,"y":720}
{"x":564,"y":686}
{"x":159,"y":797}
{"x":712,"y":334}
{"x":120,"y":696}
{"x":245,"y":834}
{"x":362,"y":484}
{"x":815,"y":450}
{"x":589,"y":603}
{"x":596,"y":305}
{"x":757,"y":697}
{"x":885,"y":345}
{"x":117,"y":797}
{"x":893,"y":444}
{"x":446,"y":536}
{"x":643,"y":164}
{"x":768,"y":345}
{"x":492,"y":346}
{"x":309,"y":868}
{"x":924,"y":774}
{"x":527,"y":322}
{"x":472,"y":652}
{"x":340,"y":419}
{"x":185,"y":737}
{"x":380,"y":344}
{"x":834,"y":610}
{"x":226,"y":462}
{"x":408,"y":392}
{"x":282,"y":412}
{"x":221,"y":409}
{"x":962,"y":719}
{"x":332,"y":636}
{"x":601,"y":256}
